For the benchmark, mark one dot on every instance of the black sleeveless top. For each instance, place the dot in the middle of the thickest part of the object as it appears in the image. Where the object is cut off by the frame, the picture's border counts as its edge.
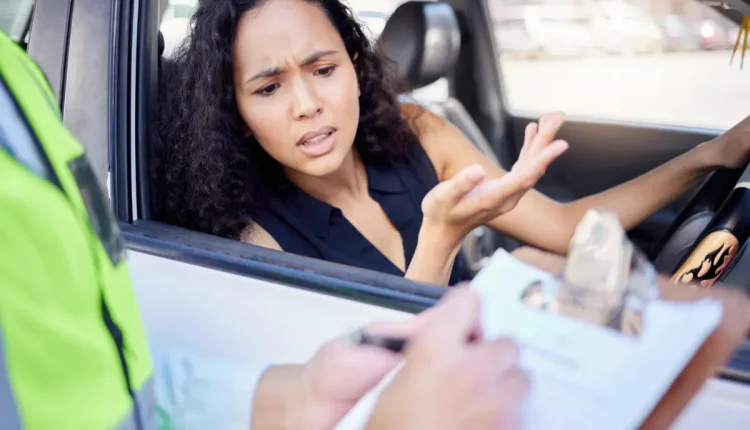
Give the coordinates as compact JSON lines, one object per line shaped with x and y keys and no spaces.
{"x":306,"y":226}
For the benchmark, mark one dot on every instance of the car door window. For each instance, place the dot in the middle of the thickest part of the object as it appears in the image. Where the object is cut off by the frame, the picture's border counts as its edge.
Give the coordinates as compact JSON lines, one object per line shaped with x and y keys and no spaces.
{"x":15,"y":18}
{"x":175,"y":23}
{"x":653,"y":61}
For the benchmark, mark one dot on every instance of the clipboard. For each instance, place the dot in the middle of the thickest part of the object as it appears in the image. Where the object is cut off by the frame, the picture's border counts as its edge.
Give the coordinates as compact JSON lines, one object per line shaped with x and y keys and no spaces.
{"x":708,"y":361}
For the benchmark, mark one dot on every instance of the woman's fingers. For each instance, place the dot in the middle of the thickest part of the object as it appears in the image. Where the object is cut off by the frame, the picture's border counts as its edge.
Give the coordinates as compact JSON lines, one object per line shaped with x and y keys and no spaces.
{"x":448,"y":193}
{"x":536,"y":167}
{"x":466,"y":196}
{"x":492,"y":195}
{"x":546,"y":131}
{"x":499,"y":193}
{"x":531,"y":130}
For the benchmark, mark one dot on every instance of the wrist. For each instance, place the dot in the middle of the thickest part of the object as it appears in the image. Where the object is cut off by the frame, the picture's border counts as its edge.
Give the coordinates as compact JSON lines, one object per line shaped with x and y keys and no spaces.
{"x":280,"y":398}
{"x":708,"y":156}
{"x":439,"y":238}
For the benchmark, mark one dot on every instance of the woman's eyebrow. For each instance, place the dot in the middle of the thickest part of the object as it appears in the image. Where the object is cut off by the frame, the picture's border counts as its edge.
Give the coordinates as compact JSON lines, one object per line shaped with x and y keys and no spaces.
{"x":317,"y":55}
{"x":274,"y":71}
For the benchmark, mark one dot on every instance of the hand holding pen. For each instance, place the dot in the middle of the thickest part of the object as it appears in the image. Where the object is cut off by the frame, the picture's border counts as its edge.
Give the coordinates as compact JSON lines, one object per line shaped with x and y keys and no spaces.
{"x":451,"y":378}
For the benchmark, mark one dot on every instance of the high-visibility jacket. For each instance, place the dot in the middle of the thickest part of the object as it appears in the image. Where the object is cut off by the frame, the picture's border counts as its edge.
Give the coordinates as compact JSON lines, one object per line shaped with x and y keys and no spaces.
{"x":73,"y":351}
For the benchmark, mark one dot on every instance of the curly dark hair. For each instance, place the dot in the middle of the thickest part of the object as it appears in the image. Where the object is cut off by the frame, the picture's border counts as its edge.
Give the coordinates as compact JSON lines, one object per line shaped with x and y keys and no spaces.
{"x":211,"y":176}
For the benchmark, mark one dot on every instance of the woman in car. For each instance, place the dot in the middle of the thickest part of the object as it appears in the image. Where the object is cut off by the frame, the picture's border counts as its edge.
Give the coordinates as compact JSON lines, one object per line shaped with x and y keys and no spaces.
{"x":281,"y":128}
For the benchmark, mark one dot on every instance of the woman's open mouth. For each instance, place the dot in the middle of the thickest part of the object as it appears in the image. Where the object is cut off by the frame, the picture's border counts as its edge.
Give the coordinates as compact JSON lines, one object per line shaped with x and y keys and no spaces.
{"x":319,"y":144}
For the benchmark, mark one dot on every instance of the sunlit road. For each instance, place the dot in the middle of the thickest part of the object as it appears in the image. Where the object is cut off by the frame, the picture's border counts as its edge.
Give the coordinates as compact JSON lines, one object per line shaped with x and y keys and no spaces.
{"x":693,"y":89}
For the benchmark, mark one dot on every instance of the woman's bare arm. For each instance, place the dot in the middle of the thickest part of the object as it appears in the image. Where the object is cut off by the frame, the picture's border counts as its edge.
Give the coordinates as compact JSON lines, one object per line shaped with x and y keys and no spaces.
{"x":433,"y":259}
{"x":543,"y":222}
{"x":431,"y":262}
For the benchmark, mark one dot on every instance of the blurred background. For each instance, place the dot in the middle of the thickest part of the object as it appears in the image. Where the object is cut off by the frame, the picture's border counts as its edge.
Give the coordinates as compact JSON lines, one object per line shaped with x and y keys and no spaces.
{"x":663,"y":62}
{"x":544,"y":29}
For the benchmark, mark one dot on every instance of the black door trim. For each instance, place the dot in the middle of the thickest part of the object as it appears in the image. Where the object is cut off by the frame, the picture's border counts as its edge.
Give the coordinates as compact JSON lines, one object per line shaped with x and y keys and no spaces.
{"x":365,"y":286}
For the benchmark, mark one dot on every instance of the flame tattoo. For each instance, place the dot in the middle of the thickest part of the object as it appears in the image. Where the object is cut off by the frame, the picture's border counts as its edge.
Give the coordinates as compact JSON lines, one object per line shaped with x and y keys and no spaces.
{"x":708,"y":260}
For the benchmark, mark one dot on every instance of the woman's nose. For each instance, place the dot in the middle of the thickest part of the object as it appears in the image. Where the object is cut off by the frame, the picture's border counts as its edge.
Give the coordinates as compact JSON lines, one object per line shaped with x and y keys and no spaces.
{"x":305,"y":103}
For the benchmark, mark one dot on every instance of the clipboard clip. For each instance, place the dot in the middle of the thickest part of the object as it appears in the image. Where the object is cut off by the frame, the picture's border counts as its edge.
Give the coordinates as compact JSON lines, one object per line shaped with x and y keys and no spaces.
{"x":606,"y":281}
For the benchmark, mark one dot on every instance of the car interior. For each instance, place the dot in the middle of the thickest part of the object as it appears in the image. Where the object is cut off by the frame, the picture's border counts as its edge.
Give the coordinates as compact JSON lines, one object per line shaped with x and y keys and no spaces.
{"x":427,"y":41}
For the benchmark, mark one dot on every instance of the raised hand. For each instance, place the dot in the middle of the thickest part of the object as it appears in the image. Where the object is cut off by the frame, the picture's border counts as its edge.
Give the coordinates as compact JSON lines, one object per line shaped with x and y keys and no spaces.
{"x":467,"y":200}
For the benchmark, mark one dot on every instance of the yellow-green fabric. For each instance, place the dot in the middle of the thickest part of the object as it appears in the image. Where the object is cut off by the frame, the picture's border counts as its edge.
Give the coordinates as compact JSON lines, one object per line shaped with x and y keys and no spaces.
{"x":60,"y":360}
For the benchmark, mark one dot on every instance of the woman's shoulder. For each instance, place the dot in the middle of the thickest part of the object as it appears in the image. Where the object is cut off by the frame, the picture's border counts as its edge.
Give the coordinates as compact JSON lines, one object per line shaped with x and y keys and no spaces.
{"x":422,"y":121}
{"x":255,"y":234}
{"x":429,"y":129}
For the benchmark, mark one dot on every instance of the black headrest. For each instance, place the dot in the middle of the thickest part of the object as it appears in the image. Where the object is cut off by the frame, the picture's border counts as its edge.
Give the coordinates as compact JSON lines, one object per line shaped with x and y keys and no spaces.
{"x":161,"y":44}
{"x":424,"y":39}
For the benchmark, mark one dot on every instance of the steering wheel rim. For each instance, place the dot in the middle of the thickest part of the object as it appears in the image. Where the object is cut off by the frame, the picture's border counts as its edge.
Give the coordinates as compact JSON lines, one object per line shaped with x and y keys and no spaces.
{"x":698,"y":246}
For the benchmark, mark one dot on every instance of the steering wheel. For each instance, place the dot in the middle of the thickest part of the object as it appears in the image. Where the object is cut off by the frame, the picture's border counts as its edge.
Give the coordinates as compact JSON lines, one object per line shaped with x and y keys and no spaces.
{"x":705,"y":237}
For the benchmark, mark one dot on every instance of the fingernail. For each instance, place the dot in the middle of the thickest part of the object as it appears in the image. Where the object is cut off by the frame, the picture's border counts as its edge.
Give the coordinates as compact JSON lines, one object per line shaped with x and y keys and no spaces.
{"x":475,"y":172}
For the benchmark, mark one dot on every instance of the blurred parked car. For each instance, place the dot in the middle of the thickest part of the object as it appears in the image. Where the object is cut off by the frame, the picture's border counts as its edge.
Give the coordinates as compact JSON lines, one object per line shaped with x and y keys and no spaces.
{"x":713,"y":36}
{"x":559,"y":37}
{"x":627,"y":35}
{"x":679,"y":36}
{"x":513,"y":39}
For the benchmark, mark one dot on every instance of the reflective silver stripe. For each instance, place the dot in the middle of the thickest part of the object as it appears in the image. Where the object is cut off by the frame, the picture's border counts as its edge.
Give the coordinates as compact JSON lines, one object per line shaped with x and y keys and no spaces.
{"x":17,"y":138}
{"x":147,"y":406}
{"x":9,"y":417}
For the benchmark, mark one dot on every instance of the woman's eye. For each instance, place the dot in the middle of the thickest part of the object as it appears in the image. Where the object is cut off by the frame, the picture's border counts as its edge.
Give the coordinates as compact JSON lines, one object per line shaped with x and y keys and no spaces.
{"x":325,"y":71}
{"x":267,"y":90}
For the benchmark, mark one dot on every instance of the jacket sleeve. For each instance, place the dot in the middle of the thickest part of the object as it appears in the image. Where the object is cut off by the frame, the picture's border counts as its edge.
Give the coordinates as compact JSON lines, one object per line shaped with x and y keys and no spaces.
{"x":194,"y":392}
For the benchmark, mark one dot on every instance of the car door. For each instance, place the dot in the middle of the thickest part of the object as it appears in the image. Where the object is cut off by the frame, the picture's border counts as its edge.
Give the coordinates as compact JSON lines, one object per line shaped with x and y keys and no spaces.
{"x":216,"y":297}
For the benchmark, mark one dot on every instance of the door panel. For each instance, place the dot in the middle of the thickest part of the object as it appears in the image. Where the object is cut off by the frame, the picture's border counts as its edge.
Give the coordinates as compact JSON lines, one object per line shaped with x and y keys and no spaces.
{"x":605,"y":154}
{"x":228,"y":316}
{"x":219,"y":315}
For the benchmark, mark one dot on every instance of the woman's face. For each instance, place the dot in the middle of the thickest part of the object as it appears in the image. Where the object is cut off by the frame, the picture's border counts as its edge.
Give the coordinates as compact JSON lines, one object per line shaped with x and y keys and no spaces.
{"x":295,"y":85}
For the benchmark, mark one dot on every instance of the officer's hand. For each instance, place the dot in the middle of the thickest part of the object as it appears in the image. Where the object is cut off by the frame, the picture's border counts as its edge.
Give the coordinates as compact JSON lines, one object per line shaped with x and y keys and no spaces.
{"x":341,"y":372}
{"x":451,"y":382}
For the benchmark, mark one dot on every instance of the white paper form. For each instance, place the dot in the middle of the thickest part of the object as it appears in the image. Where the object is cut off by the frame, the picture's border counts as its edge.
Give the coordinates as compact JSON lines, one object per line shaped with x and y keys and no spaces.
{"x":584,"y":376}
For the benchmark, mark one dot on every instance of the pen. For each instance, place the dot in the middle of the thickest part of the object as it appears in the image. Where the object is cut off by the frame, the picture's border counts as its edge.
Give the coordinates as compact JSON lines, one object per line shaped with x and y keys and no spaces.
{"x":393,"y":344}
